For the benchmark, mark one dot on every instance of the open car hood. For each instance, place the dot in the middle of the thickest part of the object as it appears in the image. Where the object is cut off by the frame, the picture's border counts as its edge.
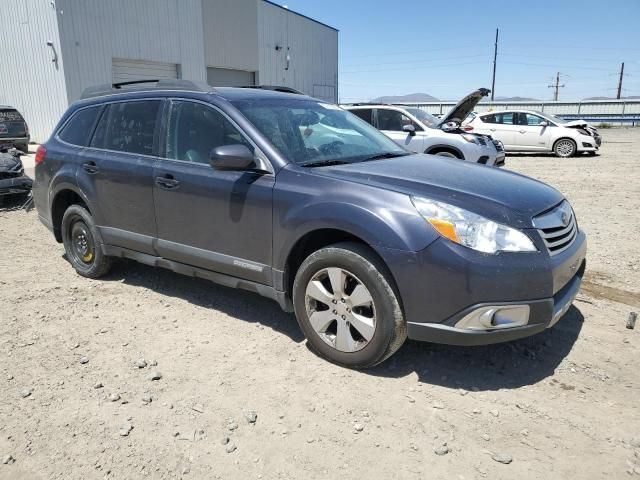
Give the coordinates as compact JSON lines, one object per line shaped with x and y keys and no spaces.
{"x":464,"y":107}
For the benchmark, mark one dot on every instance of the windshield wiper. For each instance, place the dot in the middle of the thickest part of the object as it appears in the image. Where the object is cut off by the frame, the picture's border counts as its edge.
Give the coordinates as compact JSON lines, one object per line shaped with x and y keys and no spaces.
{"x":323,"y":163}
{"x":380,"y":156}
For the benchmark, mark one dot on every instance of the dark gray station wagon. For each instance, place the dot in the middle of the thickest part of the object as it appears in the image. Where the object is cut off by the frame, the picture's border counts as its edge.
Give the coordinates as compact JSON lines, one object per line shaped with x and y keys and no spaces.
{"x":303,"y":202}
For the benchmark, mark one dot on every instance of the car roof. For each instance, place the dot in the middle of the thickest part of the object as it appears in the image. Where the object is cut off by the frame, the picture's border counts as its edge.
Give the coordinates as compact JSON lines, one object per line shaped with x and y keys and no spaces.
{"x":8,"y":106}
{"x":510,"y":110}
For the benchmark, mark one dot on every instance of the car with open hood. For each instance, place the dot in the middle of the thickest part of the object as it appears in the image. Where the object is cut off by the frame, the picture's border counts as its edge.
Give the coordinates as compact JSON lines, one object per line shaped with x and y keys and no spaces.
{"x":421,"y":132}
{"x":534,"y":131}
{"x":13,"y":180}
{"x":303,"y":202}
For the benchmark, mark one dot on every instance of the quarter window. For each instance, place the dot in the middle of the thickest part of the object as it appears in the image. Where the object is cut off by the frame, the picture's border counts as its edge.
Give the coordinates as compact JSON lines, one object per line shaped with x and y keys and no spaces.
{"x":77,"y":131}
{"x":128,"y":127}
{"x":195,"y":129}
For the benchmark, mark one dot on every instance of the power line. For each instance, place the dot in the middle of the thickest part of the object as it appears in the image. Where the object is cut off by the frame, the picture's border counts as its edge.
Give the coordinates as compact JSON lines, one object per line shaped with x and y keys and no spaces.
{"x":557,"y":87}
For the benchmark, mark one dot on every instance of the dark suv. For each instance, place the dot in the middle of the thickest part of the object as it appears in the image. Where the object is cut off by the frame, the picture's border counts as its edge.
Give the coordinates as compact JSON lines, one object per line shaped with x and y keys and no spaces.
{"x":14,"y":131}
{"x":303,"y":202}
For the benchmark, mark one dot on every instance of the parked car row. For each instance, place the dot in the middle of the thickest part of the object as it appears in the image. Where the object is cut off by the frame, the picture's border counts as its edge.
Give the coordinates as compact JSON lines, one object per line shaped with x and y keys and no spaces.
{"x":304,"y":202}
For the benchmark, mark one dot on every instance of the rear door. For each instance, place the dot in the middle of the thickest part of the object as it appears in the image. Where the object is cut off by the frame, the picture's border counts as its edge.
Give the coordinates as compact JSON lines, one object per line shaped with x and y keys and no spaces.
{"x":390,"y":122}
{"x":118,"y":166}
{"x":217,"y":220}
{"x":501,"y":126}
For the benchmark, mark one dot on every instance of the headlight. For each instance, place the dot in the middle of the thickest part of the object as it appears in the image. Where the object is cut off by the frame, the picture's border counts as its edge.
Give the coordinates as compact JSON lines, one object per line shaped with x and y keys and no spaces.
{"x":470,"y":138}
{"x":472,"y":230}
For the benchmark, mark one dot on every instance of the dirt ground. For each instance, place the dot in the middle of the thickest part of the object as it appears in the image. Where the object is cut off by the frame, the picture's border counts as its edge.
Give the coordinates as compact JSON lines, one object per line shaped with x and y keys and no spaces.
{"x":74,"y":404}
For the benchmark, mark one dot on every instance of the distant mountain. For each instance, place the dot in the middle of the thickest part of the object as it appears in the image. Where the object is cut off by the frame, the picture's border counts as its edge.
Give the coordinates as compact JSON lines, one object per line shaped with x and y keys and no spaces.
{"x":411,"y":97}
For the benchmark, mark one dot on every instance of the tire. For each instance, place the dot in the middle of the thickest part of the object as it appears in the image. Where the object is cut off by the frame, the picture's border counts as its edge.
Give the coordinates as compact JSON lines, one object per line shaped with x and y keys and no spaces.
{"x":342,"y":326}
{"x":81,"y":243}
{"x":565,"y":148}
{"x":447,"y":154}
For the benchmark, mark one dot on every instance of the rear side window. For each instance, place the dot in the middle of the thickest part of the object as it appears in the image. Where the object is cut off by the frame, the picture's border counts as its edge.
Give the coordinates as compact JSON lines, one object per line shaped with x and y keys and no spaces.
{"x":77,"y":130}
{"x":195,"y":129}
{"x":503,"y":118}
{"x":365,"y":114}
{"x":128,"y":127}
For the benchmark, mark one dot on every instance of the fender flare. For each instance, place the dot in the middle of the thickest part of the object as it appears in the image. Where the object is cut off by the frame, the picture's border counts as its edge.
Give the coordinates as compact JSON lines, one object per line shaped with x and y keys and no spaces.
{"x":445,"y":147}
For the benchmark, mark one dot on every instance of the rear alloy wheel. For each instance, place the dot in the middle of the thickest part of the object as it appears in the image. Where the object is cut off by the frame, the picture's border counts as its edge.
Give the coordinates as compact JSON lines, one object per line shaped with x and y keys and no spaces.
{"x":79,"y":236}
{"x":346,"y":306}
{"x":564,"y":148}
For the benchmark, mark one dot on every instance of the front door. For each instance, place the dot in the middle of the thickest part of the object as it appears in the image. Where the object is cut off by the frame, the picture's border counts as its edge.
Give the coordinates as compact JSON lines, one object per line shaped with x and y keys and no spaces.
{"x":217,"y":220}
{"x":531,"y":135}
{"x":118,"y":164}
{"x":390,"y":122}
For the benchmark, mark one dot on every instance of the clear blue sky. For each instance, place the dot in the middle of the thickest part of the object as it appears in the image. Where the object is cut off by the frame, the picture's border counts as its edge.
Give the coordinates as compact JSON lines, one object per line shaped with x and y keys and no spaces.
{"x":445,"y":48}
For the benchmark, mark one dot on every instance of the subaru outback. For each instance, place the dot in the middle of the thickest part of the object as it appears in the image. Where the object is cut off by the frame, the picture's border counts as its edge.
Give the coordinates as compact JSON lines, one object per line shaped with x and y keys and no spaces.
{"x":365,"y":241}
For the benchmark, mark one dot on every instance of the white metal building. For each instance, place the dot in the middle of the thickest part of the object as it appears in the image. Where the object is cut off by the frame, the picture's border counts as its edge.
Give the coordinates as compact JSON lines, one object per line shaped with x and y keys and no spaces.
{"x":50,"y":50}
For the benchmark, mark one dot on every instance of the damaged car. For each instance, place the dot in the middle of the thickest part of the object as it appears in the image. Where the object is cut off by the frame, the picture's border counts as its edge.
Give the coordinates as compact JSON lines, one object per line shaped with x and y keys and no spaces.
{"x":13,"y":180}
{"x":534,"y":131}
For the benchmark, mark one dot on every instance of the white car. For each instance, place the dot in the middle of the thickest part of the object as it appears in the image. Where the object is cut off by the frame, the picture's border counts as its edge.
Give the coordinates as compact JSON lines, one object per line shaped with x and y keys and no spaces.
{"x":420,"y":132}
{"x":533,"y":131}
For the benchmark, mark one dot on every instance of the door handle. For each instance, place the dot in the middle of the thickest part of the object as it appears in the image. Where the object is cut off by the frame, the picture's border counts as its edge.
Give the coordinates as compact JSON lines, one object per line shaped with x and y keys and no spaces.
{"x":521,"y":131}
{"x":167,"y":182}
{"x":90,"y":167}
{"x":492,"y":129}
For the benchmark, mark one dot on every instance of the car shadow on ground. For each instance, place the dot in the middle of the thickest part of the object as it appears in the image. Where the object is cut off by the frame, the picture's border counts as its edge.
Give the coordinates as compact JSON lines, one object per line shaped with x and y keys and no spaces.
{"x":488,"y":367}
{"x":482,"y":368}
{"x":240,"y":304}
{"x":514,"y":155}
{"x":12,"y":202}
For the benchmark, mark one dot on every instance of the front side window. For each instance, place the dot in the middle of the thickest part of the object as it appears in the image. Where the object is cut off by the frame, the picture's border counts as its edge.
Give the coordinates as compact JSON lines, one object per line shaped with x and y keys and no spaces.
{"x":309,"y":132}
{"x":78,"y":129}
{"x":196,"y":129}
{"x":393,"y":120}
{"x":128,"y":127}
{"x":426,"y":118}
{"x":532,"y":120}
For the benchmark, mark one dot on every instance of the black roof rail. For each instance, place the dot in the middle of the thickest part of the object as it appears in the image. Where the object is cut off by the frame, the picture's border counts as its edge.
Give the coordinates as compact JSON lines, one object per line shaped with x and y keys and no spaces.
{"x":275,"y":88}
{"x":142,"y":85}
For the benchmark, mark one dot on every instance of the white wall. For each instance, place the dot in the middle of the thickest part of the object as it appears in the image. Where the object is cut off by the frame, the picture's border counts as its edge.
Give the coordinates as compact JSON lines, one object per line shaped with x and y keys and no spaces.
{"x":29,"y":80}
{"x":312,"y":47}
{"x":230,"y":34}
{"x":95,"y":31}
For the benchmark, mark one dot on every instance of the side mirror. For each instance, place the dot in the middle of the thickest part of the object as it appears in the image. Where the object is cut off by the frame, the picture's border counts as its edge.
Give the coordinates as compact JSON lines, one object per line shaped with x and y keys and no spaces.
{"x":231,"y":157}
{"x":544,"y":124}
{"x":410,"y":129}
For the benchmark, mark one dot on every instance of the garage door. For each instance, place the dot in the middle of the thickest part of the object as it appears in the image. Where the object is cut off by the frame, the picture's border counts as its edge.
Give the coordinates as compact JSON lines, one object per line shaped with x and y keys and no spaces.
{"x":227,"y":77}
{"x":125,"y":70}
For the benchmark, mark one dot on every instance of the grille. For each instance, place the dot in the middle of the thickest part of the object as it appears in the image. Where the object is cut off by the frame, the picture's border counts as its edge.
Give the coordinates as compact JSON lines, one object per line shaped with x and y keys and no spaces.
{"x":558,"y":235}
{"x":7,"y":175}
{"x":482,"y":141}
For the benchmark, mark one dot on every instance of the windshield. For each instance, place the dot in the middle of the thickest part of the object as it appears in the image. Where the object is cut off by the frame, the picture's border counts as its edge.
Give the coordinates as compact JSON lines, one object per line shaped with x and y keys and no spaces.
{"x":425,"y":118}
{"x":553,"y":118}
{"x":308,"y":132}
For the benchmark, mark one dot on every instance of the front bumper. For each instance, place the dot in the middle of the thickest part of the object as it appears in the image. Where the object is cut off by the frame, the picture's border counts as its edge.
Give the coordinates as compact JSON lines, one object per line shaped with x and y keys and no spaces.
{"x":445,"y":282}
{"x":15,"y":185}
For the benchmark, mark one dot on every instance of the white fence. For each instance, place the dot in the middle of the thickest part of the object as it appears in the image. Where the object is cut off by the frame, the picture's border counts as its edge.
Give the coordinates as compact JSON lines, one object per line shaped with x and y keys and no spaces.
{"x":609,"y":111}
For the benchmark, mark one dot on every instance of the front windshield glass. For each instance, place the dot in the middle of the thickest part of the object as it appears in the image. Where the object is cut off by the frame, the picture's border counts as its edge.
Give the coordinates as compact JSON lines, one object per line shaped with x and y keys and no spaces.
{"x":312,"y":133}
{"x":553,"y":118}
{"x":425,"y":118}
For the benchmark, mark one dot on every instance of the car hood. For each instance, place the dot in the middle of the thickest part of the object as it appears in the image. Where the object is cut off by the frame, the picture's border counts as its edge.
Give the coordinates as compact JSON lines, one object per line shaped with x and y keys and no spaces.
{"x":464,"y":107}
{"x":500,"y":195}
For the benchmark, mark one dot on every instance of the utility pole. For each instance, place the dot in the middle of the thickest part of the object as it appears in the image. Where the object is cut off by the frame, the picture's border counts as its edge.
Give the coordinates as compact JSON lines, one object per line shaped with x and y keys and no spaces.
{"x":495,"y":57}
{"x":557,"y":87}
{"x":620,"y":81}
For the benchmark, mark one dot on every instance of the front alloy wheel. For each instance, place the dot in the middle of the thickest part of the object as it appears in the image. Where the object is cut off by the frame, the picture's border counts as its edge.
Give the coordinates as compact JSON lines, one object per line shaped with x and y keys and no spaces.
{"x":565,"y":148}
{"x":340,"y":309}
